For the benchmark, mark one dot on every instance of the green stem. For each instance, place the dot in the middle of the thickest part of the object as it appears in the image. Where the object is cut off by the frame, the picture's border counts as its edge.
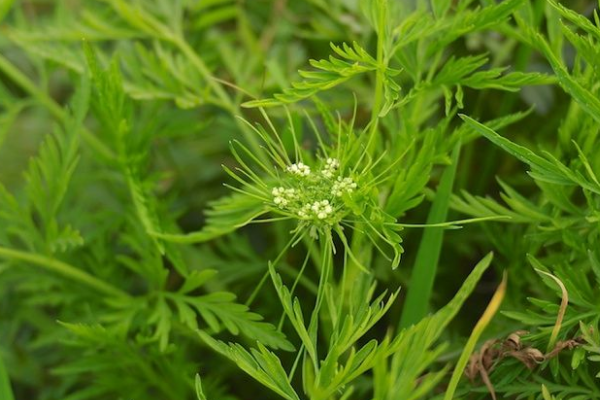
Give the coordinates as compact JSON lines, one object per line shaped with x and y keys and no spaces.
{"x":26,"y":84}
{"x":63,"y":269}
{"x":354,"y":278}
{"x":55,"y":109}
{"x":380,"y":76}
{"x":299,"y":278}
{"x":356,"y":281}
{"x":325,"y":273}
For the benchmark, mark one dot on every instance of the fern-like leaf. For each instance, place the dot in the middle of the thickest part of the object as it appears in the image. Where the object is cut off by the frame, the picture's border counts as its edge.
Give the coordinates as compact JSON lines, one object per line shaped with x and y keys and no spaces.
{"x":353,"y":60}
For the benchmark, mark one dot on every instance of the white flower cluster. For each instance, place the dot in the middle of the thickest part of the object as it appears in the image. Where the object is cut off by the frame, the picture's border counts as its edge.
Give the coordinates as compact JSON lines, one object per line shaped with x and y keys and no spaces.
{"x":282,"y":196}
{"x":314,"y":198}
{"x":299,"y":169}
{"x":343,"y":185}
{"x":321,"y":209}
{"x":331,"y":166}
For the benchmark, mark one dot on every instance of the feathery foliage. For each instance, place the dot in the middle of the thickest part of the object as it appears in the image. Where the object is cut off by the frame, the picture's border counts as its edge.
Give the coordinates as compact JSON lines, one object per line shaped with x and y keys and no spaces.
{"x":270,"y":199}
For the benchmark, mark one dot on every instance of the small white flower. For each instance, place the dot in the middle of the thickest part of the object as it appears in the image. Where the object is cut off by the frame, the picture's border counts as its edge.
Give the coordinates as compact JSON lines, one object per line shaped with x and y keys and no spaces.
{"x":304,"y":211}
{"x":333,"y":163}
{"x":301,"y":198}
{"x":278,"y":191}
{"x":331,"y":166}
{"x":321,"y":209}
{"x":299,"y":169}
{"x":283,"y":196}
{"x":343,"y":185}
{"x":281,"y":201}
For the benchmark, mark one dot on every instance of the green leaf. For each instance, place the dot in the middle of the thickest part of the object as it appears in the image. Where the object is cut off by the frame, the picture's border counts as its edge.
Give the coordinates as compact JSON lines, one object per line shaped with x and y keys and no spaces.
{"x":512,"y":82}
{"x":61,"y":53}
{"x":440,"y":7}
{"x":546,"y":393}
{"x":198,"y":386}
{"x":262,"y":365}
{"x":521,"y":209}
{"x":293,"y":310}
{"x":159,"y":74}
{"x":66,"y":239}
{"x":578,"y":19}
{"x":542,"y":168}
{"x":425,"y":267}
{"x":196,"y":279}
{"x":236,"y":317}
{"x":225,"y":216}
{"x":5,"y":389}
{"x":586,"y":99}
{"x":410,"y":182}
{"x":144,"y":207}
{"x":328,"y":73}
{"x":216,"y":15}
{"x":161,"y":318}
{"x":412,"y":348}
{"x":49,"y":173}
{"x":456,"y":69}
{"x":473,"y":20}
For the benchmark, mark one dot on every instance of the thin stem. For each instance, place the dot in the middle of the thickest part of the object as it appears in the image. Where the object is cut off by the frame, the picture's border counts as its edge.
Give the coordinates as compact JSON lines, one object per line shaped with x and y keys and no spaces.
{"x":63,"y":269}
{"x":266,"y":275}
{"x":296,"y":362}
{"x":380,"y":75}
{"x":360,"y":247}
{"x":326,"y":251}
{"x":298,"y":277}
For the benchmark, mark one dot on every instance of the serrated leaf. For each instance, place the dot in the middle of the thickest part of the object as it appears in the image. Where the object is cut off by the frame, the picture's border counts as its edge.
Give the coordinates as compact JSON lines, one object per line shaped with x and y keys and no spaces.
{"x":225,"y":216}
{"x":220,"y":308}
{"x":67,"y":239}
{"x":328,"y":73}
{"x":413,"y":348}
{"x":586,"y":99}
{"x":161,"y":318}
{"x":196,"y":279}
{"x":542,"y":168}
{"x":261,"y":364}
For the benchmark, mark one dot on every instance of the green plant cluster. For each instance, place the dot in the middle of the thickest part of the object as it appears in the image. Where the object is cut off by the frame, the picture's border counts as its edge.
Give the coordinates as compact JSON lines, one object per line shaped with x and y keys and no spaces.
{"x":311,"y":199}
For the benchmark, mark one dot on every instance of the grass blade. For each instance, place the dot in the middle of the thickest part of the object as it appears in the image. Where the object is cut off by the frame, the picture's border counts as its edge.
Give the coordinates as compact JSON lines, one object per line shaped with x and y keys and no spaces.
{"x":417,"y":300}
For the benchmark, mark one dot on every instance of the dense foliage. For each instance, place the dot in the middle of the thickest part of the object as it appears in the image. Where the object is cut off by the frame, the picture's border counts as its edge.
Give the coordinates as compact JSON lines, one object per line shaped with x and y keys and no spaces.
{"x":311,"y":199}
